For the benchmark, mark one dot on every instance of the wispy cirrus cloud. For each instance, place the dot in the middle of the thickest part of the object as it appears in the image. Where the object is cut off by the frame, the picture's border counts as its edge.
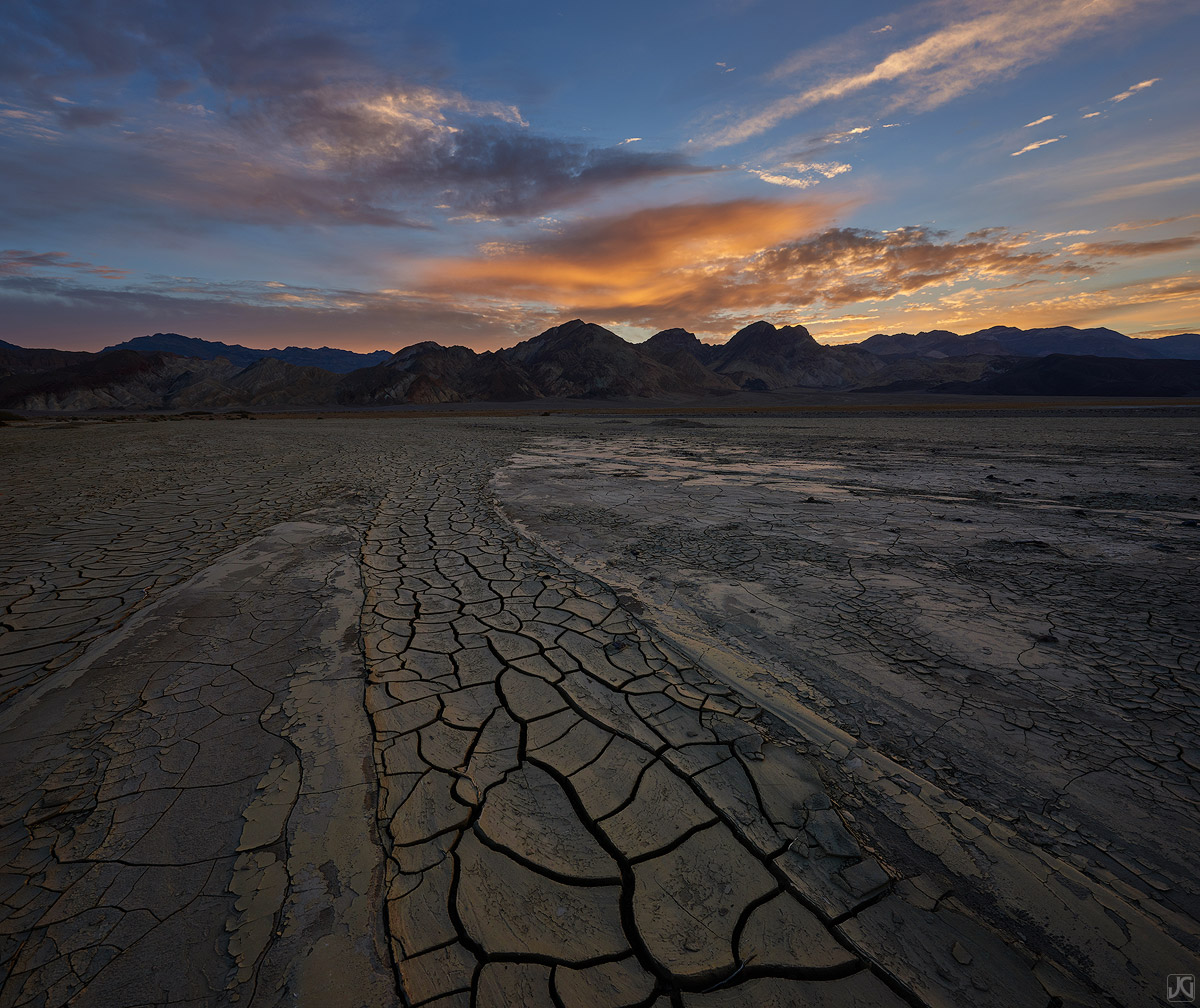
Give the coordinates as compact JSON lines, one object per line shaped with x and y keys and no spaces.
{"x":1141,"y":225}
{"x":1123,"y":96}
{"x":978,"y":42}
{"x":1040,"y":143}
{"x":1133,"y":190}
{"x":1130,"y":92}
{"x":837,"y":137}
{"x":1132,"y":249}
{"x":800,"y":175}
{"x":23,"y":262}
{"x":1038,"y":122}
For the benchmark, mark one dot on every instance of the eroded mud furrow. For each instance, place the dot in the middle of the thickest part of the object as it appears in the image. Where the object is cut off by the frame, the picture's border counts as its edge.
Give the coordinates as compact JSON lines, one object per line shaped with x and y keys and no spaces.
{"x":576,"y":813}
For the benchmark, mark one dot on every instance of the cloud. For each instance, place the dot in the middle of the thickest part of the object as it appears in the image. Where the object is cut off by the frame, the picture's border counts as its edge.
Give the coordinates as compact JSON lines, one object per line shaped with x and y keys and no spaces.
{"x":1161,"y":246}
{"x":1038,"y":122}
{"x":1130,"y":307}
{"x":22,"y":262}
{"x":629,"y":140}
{"x":842,"y":136}
{"x":805,"y":175}
{"x":726,"y":68}
{"x":705,"y":266}
{"x":823,"y":141}
{"x":1136,"y":189}
{"x":649,"y":255}
{"x":309,"y":125}
{"x":983,"y":43}
{"x":880,"y":31}
{"x":1087,"y":171}
{"x":1139,"y":225}
{"x":253,"y":314}
{"x":701,"y":265}
{"x":1066,"y":234}
{"x":1092,"y":306}
{"x":1034,"y":146}
{"x":1129,"y":93}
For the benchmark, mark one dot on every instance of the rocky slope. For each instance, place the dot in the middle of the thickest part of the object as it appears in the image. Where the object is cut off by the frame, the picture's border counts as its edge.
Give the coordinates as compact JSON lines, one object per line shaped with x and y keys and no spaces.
{"x":431,"y":373}
{"x":15,"y":360}
{"x":123,"y":379}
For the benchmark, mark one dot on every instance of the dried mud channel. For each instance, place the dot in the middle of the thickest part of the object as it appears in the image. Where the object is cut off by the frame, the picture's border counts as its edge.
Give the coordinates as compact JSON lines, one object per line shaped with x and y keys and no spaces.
{"x":481,"y":712}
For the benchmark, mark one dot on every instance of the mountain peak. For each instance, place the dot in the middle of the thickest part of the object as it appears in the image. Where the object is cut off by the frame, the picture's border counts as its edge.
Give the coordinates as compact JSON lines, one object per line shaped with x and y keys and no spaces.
{"x":567,"y":337}
{"x":762,"y":335}
{"x":674,"y":339}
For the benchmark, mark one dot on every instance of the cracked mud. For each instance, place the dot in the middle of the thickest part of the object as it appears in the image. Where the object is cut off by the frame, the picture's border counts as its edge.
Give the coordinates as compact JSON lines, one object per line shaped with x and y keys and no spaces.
{"x":553,"y":711}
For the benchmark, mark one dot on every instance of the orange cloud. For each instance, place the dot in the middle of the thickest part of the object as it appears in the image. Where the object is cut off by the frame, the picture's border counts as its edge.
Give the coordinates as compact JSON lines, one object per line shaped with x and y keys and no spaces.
{"x":654,"y":256}
{"x":706,"y":265}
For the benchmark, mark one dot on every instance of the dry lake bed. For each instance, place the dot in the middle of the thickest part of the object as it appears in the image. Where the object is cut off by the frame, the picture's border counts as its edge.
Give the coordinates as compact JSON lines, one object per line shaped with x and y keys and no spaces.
{"x":829,"y":708}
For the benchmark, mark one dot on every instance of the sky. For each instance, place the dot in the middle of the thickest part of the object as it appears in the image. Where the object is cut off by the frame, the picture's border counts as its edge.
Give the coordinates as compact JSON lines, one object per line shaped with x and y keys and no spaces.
{"x":376,"y":173}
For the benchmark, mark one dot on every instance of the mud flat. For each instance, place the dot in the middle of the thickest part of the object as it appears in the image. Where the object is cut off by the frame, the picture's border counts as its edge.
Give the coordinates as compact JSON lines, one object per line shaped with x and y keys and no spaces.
{"x":561,"y":710}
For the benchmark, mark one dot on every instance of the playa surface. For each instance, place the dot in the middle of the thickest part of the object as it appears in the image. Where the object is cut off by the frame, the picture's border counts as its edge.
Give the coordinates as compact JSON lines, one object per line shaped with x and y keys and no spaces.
{"x":887,"y":708}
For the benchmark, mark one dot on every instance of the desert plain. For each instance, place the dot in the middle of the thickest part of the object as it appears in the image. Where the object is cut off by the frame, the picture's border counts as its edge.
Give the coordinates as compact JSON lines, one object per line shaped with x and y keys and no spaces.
{"x":864,"y":707}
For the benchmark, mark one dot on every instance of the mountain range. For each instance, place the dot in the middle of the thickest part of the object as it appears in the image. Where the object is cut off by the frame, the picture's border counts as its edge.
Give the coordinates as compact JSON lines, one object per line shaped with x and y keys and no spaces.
{"x":326,"y":358}
{"x":585,"y":361}
{"x":1001,"y":340}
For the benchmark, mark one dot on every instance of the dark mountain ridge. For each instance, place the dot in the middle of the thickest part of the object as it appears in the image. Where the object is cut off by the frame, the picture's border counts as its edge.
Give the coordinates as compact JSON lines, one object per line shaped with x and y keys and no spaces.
{"x":582,"y":360}
{"x":326,"y":358}
{"x":1007,"y":340}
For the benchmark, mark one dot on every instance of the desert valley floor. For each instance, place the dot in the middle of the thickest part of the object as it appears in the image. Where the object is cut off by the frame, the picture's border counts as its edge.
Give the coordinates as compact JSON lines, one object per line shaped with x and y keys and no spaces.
{"x":831,"y":709}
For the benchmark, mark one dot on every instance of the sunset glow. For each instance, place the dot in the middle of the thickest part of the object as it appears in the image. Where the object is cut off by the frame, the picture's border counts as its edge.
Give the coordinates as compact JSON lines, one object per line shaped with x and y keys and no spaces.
{"x":359,"y":176}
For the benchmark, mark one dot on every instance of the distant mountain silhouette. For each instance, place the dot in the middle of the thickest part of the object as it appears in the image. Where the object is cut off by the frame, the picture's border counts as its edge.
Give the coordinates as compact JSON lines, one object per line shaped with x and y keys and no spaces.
{"x":1005,"y":340}
{"x":1066,"y":375}
{"x":582,"y":360}
{"x":327,"y":358}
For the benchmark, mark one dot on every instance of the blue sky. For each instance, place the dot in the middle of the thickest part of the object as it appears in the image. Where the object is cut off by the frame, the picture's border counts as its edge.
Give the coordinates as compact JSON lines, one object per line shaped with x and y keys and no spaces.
{"x":374,"y":174}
